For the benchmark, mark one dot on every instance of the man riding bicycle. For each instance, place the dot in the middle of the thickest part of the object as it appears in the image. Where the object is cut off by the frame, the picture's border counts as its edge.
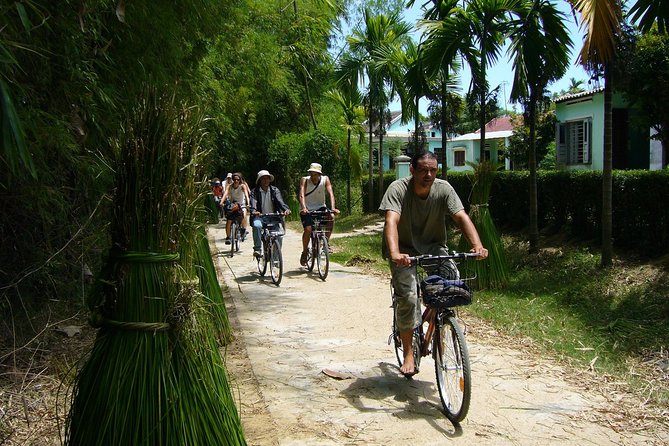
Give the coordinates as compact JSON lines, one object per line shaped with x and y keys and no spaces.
{"x":312,"y":198}
{"x":415,"y":223}
{"x":265,"y":199}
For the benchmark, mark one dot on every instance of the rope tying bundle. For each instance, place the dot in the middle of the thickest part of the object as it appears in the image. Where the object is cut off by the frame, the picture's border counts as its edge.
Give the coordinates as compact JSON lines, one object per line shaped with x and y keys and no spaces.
{"x":98,"y":321}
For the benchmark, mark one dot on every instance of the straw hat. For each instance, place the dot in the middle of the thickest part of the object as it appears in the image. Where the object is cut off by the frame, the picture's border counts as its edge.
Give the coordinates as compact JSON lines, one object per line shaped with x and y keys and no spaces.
{"x":264,"y":173}
{"x":315,"y":167}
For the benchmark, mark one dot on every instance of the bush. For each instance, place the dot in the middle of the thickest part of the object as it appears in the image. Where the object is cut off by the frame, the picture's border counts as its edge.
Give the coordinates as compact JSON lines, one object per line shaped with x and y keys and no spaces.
{"x":571,"y":201}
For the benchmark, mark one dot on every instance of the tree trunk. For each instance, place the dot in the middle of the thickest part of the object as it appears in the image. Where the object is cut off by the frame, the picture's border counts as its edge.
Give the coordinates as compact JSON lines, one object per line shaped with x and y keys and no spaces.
{"x":607,"y":182}
{"x":444,"y":135}
{"x":370,"y":183}
{"x":348,"y":172}
{"x":310,"y":105}
{"x":483,"y":92}
{"x":532,"y":161}
{"x":381,"y":131}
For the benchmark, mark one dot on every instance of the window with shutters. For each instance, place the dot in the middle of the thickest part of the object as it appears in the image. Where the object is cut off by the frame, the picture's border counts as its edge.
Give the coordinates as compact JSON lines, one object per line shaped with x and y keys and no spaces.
{"x":459,"y":158}
{"x":574,"y":145}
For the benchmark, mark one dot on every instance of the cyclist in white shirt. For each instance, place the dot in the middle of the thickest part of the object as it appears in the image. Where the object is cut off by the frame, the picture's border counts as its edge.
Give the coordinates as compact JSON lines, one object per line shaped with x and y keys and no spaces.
{"x":313,"y":189}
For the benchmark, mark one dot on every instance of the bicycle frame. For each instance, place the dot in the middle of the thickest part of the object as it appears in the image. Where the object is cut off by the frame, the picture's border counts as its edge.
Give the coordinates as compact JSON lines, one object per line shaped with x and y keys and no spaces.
{"x":318,"y":252}
{"x":271,"y":237}
{"x":443,"y":337}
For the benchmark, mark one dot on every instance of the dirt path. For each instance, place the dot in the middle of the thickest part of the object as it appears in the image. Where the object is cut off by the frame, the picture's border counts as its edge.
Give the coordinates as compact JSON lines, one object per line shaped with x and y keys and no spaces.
{"x":287,"y":337}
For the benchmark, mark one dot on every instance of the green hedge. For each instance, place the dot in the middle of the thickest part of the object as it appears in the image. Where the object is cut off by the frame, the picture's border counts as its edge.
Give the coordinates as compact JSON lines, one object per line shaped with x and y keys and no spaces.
{"x":571,"y":202}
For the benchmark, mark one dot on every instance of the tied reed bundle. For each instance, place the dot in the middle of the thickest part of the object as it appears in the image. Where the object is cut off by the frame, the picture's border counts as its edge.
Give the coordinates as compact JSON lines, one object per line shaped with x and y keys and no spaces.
{"x":494,"y":271}
{"x":155,"y":375}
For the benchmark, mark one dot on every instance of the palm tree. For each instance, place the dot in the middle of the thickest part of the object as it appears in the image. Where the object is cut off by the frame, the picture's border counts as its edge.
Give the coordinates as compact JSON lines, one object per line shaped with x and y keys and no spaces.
{"x":369,"y":45}
{"x":575,"y":86}
{"x":349,"y":100}
{"x":540,"y":50}
{"x":448,"y":36}
{"x":650,"y":12}
{"x":306,"y":46}
{"x":602,"y":20}
{"x":488,"y":22}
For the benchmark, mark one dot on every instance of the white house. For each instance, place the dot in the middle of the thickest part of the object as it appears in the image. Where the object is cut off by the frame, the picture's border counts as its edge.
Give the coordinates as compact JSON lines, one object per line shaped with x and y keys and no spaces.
{"x":465,"y":148}
{"x":459,"y":149}
{"x":580,"y":134}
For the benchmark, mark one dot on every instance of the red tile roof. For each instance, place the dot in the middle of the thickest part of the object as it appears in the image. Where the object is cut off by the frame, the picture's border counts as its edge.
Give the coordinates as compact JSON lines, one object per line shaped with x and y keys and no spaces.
{"x":498,"y":124}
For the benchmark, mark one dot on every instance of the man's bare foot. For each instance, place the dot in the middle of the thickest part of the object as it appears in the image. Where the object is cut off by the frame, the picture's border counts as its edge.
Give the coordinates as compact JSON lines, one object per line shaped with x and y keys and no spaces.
{"x":408,"y":365}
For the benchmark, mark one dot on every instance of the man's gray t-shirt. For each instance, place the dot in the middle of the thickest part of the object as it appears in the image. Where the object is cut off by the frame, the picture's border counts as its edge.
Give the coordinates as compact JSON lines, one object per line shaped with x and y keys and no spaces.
{"x":422,"y":225}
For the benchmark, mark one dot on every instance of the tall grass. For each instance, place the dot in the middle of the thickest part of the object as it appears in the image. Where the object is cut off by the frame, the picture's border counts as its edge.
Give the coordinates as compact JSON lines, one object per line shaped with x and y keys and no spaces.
{"x":155,"y":375}
{"x":494,"y":271}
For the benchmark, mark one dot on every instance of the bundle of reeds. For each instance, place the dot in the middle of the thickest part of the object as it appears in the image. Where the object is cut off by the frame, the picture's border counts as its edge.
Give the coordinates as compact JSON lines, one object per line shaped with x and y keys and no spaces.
{"x":211,"y":289}
{"x":155,"y":375}
{"x":494,"y":271}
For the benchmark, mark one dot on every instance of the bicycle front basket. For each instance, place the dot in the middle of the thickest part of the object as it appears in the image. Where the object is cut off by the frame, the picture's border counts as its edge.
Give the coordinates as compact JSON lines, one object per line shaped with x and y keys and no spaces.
{"x":445,"y":293}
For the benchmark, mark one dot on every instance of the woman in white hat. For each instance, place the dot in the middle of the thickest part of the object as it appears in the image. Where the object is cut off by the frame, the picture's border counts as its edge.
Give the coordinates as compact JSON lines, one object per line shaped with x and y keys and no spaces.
{"x":313,"y":189}
{"x":265,"y":199}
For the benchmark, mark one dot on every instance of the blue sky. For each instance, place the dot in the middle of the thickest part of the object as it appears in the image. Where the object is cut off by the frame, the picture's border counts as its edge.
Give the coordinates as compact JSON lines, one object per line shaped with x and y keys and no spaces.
{"x":501,"y":73}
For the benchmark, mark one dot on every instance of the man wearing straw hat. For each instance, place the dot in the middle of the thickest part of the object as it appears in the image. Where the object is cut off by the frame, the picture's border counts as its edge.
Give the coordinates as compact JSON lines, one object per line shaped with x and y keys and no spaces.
{"x":415,"y":223}
{"x":265,"y":199}
{"x":312,"y":198}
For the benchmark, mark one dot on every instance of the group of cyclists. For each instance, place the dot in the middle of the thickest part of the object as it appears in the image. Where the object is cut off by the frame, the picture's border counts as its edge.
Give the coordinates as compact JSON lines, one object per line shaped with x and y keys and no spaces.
{"x":236,"y":199}
{"x":415,"y":210}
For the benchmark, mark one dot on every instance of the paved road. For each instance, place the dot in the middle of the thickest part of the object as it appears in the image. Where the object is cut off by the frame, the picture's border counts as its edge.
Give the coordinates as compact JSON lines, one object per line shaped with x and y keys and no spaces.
{"x":288,"y":336}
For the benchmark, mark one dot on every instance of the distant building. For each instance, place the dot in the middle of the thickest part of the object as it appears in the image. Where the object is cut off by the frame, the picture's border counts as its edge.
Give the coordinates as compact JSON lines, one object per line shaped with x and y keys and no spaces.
{"x":460,"y":149}
{"x":580,"y":134}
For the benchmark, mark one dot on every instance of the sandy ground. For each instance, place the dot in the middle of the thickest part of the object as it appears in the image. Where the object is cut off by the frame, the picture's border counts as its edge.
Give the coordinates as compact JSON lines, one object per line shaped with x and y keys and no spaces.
{"x":287,"y":336}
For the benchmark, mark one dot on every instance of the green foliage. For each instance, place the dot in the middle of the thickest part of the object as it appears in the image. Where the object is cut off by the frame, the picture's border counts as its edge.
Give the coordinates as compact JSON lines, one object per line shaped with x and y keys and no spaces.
{"x":519,"y":142}
{"x":571,"y":201}
{"x":582,"y":313}
{"x":388,"y":177}
{"x":643,"y":75}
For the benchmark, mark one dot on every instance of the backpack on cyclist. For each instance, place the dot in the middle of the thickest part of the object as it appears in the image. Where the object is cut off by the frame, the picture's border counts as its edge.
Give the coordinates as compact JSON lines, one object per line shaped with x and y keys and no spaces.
{"x":439,"y":292}
{"x":232,"y":209}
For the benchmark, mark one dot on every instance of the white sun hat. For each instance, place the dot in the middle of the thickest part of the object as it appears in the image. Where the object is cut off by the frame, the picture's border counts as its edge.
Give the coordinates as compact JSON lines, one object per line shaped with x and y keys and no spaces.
{"x":315,"y":167}
{"x":264,"y":173}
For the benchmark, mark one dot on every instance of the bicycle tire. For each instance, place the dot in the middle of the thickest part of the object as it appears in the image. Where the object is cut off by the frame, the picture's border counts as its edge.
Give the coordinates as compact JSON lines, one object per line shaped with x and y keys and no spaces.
{"x":238,"y":236}
{"x":323,"y":259}
{"x":262,"y":260}
{"x":275,"y":262}
{"x":312,"y":252}
{"x":451,"y":366}
{"x":233,"y":234}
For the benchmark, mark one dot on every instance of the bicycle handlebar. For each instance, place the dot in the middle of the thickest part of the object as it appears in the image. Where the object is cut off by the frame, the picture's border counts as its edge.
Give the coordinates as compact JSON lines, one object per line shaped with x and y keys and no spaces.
{"x":418,"y":260}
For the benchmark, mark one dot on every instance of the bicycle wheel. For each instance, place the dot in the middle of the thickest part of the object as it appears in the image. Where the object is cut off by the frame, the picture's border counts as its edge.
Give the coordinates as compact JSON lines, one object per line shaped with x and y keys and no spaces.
{"x":312,"y":252}
{"x":262,"y":260}
{"x":323,"y":257}
{"x":275,"y":262}
{"x":233,"y":235}
{"x":451,"y":365}
{"x":238,"y":236}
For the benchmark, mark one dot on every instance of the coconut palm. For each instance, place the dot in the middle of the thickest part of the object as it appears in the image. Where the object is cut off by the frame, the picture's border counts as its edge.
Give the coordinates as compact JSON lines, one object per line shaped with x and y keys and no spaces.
{"x":446,"y":39}
{"x":369,"y":45}
{"x":601,"y":19}
{"x":488,"y":22}
{"x":349,"y":100}
{"x":540,"y":51}
{"x":650,"y":12}
{"x":575,"y":86}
